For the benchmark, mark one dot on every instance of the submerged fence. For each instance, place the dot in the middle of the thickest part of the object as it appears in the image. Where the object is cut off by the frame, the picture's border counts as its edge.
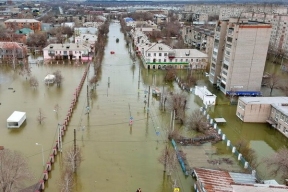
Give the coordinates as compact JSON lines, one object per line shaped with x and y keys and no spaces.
{"x":232,"y":148}
{"x":41,"y":185}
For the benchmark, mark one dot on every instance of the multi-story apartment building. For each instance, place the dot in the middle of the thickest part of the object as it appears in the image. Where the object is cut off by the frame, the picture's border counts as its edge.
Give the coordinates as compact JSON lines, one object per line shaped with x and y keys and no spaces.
{"x":225,"y":11}
{"x":239,"y":54}
{"x":32,"y":24}
{"x":279,"y":35}
{"x":236,"y":10}
{"x":196,"y":35}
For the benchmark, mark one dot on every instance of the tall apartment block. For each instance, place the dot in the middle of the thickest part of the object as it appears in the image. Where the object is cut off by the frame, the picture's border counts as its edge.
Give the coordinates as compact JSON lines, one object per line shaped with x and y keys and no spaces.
{"x":239,"y":54}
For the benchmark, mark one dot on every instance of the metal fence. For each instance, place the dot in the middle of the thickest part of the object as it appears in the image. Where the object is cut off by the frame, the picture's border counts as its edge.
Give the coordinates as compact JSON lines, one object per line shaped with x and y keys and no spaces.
{"x":237,"y":154}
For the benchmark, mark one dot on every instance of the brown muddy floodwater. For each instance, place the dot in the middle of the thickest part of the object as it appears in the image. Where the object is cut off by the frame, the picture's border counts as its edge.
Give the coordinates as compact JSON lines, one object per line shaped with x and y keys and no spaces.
{"x":116,"y":157}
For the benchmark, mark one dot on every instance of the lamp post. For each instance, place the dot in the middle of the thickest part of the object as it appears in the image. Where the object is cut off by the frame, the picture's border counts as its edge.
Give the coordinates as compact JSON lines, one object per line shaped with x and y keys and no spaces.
{"x":42,"y":152}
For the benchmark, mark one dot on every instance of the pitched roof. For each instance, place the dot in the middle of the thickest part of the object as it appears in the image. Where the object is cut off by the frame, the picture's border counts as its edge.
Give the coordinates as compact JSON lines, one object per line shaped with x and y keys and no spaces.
{"x":214,"y":180}
{"x":159,"y":47}
{"x":71,"y":47}
{"x":9,"y":45}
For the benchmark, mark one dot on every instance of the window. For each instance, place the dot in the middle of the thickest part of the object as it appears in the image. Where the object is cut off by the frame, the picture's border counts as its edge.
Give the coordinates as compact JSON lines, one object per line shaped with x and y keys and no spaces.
{"x":191,"y":60}
{"x":155,"y":54}
{"x":165,"y":54}
{"x":159,"y":60}
{"x":175,"y":60}
{"x":225,"y":66}
{"x":160,"y":54}
{"x":181,"y":60}
{"x":149,"y":54}
{"x":282,"y":117}
{"x":196,"y":60}
{"x":186,"y":60}
{"x":241,"y":105}
{"x":164,"y":60}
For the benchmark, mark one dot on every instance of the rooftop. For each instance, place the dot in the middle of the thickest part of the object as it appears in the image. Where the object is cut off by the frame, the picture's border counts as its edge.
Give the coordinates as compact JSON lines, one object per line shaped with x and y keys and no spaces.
{"x":263,"y":100}
{"x":71,"y":47}
{"x":220,"y":181}
{"x":21,"y":20}
{"x":189,"y":53}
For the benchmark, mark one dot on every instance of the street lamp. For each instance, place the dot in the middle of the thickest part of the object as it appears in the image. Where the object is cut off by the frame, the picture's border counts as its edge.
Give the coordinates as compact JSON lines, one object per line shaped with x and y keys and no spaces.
{"x":42,"y":152}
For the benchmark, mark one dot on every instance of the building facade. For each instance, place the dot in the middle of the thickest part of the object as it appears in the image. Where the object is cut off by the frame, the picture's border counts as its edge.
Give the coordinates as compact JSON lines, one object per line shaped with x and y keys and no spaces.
{"x":12,"y":50}
{"x":67,"y":51}
{"x":239,"y":55}
{"x":32,"y":24}
{"x":159,"y":55}
{"x":279,"y":117}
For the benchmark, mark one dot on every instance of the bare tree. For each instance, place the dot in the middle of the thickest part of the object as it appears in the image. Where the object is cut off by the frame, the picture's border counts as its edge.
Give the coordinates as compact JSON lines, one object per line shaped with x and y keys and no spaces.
{"x":37,"y":40}
{"x":33,"y":82}
{"x":278,"y":163}
{"x":284,"y":88}
{"x":14,"y":170}
{"x":93,"y":81}
{"x":249,"y":154}
{"x":170,"y":74}
{"x":66,"y":182}
{"x":40,"y":117}
{"x":168,"y":159}
{"x":178,"y":104}
{"x":197,"y":121}
{"x":58,"y":78}
{"x":73,"y":158}
{"x":273,"y":81}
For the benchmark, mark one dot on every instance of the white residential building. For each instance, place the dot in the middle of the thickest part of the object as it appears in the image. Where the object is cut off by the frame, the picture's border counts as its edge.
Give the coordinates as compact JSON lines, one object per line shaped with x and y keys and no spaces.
{"x":67,"y":51}
{"x":87,"y":40}
{"x":159,"y":55}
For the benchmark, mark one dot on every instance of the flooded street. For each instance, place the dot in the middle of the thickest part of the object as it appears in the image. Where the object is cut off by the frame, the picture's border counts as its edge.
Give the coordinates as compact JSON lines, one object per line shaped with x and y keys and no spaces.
{"x":117,"y":157}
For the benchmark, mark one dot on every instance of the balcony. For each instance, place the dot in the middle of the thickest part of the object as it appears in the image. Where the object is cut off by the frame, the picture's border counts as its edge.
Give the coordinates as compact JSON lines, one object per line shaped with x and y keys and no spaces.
{"x":230,"y":32}
{"x":226,"y":62}
{"x":215,"y":50}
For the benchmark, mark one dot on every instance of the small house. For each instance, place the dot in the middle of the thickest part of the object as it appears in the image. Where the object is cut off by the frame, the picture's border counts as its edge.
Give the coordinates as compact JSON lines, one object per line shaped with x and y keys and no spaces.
{"x":49,"y":79}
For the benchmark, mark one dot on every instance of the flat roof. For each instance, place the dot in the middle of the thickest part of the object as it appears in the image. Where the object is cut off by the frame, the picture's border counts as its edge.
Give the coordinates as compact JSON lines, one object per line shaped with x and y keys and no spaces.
{"x":16,"y":116}
{"x":282,"y":108}
{"x":259,"y":188}
{"x":21,"y":20}
{"x":191,"y":52}
{"x":263,"y":100}
{"x":220,"y":120}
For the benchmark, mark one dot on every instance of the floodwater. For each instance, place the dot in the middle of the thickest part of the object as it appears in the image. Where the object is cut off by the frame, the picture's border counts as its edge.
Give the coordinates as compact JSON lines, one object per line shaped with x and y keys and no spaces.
{"x":117,"y":157}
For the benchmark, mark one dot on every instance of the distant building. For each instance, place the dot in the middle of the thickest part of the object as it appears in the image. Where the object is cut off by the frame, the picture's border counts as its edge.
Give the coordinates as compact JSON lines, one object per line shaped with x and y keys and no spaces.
{"x":130,"y":22}
{"x":159,"y":18}
{"x":32,"y":24}
{"x":239,"y":55}
{"x":10,"y":50}
{"x":67,"y":51}
{"x":87,"y":40}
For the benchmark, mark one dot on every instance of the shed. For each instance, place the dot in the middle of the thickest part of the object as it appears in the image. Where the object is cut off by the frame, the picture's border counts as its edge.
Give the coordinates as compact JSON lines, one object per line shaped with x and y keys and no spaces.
{"x":49,"y":79}
{"x":16,"y":119}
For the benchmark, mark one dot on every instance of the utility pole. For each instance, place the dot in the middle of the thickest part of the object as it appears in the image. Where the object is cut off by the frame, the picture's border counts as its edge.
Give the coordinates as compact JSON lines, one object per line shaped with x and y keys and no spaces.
{"x":148,"y":99}
{"x":87,"y":96}
{"x":166,"y":156}
{"x":74,"y":150}
{"x":59,"y":138}
{"x":173,"y":123}
{"x":139,"y":79}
